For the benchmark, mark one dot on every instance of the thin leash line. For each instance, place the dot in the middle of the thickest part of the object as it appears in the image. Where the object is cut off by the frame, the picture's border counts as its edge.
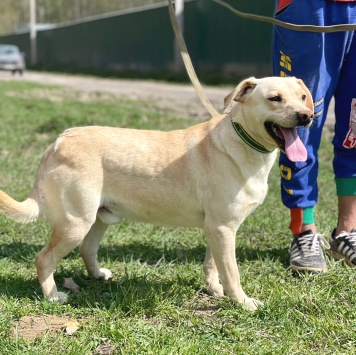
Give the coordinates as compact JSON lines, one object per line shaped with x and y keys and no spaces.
{"x":291,"y":26}
{"x":240,"y":131}
{"x":188,"y":63}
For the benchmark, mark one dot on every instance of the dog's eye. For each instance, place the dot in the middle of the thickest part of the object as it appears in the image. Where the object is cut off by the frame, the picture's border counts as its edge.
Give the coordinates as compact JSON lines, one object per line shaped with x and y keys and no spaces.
{"x":304,"y":97}
{"x":275,"y":98}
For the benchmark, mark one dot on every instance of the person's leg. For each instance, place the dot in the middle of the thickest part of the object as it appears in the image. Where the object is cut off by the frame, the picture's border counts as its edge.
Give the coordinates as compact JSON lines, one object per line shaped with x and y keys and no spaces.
{"x":343,"y":239}
{"x":347,"y":214}
{"x":301,"y":54}
{"x":305,"y":56}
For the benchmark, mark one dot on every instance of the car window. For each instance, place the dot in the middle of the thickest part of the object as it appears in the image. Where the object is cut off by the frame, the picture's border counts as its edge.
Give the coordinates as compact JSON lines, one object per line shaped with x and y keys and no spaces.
{"x":8,"y":50}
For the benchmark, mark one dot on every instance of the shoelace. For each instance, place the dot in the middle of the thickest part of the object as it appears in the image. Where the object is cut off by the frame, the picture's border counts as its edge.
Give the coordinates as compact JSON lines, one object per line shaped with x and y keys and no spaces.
{"x":349,"y":237}
{"x":309,"y":244}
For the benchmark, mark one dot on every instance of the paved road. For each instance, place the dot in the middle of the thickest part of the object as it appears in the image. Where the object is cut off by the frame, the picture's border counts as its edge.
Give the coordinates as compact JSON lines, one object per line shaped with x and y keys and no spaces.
{"x":174,"y":94}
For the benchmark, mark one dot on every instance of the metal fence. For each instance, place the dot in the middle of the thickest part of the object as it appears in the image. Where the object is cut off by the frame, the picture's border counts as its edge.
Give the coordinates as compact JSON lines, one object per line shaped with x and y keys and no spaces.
{"x":142,"y":39}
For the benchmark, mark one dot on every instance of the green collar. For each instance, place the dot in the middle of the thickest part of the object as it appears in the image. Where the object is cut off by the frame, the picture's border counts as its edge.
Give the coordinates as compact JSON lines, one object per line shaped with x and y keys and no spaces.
{"x":248,"y":139}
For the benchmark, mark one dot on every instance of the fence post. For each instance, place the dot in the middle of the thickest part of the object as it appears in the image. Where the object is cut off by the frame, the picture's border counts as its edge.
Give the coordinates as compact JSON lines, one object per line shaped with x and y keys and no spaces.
{"x":33,"y":32}
{"x":179,"y":12}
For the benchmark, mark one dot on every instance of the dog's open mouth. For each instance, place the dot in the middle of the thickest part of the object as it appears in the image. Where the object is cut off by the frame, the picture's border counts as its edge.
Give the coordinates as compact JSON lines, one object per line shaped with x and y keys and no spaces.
{"x":287,"y":141}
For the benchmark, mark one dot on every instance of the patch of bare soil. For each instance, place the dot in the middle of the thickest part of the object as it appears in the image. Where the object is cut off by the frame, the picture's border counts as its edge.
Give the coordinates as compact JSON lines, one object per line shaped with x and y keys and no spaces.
{"x":32,"y":327}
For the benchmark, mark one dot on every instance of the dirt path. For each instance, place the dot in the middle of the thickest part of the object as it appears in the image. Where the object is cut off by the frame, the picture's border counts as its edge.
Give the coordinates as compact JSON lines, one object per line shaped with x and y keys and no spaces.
{"x":175,"y":96}
{"x":178,"y":97}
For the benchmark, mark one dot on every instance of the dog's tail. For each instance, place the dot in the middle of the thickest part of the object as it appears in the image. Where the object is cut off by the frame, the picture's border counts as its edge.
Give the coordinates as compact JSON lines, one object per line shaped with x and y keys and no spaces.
{"x":23,"y":212}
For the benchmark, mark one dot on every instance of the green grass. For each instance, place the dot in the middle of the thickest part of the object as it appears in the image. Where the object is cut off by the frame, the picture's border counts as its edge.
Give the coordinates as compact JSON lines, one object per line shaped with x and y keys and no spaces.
{"x":156,"y":302}
{"x":206,"y":77}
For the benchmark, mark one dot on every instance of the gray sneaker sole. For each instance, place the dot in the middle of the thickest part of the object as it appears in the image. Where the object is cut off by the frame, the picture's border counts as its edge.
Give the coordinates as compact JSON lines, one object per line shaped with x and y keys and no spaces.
{"x":314,"y":270}
{"x":337,"y":256}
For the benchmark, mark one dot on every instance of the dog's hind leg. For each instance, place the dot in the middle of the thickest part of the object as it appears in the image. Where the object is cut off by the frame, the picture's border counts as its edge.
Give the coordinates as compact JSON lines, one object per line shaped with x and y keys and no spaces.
{"x":89,"y":249}
{"x":211,"y":275}
{"x":65,"y":237}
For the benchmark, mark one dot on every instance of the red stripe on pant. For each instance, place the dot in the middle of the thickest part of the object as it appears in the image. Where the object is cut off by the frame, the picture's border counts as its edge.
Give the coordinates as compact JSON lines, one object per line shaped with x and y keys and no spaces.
{"x":282,"y":4}
{"x":296,"y":220}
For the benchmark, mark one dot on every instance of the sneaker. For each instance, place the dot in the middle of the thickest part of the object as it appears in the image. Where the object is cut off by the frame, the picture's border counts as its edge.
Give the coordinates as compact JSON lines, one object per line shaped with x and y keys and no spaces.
{"x":306,"y":253}
{"x":343,"y":246}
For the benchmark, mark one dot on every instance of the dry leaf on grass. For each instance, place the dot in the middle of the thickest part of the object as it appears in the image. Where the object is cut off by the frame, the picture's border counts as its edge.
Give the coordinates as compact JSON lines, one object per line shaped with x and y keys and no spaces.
{"x":71,"y":327}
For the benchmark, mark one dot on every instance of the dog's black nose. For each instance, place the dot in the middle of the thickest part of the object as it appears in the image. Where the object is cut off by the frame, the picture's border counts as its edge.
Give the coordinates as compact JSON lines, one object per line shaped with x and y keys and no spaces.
{"x":304,"y":118}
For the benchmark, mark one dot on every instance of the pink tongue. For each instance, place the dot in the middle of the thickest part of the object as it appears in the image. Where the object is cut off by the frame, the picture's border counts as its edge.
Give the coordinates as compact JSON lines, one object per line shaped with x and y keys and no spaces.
{"x":295,"y":149}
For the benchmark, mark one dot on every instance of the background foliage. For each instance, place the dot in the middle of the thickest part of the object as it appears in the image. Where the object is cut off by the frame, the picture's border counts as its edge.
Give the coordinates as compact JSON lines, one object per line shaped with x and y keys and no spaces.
{"x":14,"y":13}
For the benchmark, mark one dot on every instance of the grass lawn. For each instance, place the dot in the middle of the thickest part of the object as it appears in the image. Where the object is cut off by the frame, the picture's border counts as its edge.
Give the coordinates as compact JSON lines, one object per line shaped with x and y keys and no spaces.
{"x":156,"y":302}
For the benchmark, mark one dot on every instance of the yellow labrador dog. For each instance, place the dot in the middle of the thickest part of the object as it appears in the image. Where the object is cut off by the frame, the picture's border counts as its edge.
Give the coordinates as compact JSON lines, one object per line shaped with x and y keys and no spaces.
{"x":212,"y":176}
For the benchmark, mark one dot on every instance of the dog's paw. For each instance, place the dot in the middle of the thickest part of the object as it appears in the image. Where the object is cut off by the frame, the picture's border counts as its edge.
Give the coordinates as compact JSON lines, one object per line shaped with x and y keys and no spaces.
{"x":215,"y":290}
{"x":103,"y":273}
{"x":59,"y":297}
{"x":251,"y":304}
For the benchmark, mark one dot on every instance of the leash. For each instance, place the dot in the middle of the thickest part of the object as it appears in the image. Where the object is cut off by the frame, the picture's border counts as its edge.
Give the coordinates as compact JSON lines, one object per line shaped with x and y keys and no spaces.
{"x":188,"y":63}
{"x":291,"y":26}
{"x":195,"y":81}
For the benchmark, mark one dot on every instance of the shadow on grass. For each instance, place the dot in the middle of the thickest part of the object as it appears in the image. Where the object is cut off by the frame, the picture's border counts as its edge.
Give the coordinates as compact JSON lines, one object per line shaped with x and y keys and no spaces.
{"x":15,"y":286}
{"x":19,"y":251}
{"x":147,"y":253}
{"x":131,"y":293}
{"x":151,"y":255}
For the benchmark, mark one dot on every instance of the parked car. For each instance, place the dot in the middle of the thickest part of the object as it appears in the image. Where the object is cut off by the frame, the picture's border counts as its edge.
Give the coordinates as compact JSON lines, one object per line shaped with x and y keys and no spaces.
{"x":11,"y":59}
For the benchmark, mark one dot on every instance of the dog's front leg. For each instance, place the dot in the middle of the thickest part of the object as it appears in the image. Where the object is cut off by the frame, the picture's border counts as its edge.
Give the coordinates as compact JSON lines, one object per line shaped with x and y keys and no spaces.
{"x":221,"y":242}
{"x":211,"y":275}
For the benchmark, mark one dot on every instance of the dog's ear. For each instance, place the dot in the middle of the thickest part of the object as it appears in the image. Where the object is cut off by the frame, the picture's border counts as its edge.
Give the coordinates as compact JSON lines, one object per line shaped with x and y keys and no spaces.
{"x":309,"y":102}
{"x":241,"y":92}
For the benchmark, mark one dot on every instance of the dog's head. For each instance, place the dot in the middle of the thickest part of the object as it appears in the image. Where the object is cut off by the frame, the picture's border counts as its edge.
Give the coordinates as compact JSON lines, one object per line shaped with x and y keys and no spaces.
{"x":271,"y":109}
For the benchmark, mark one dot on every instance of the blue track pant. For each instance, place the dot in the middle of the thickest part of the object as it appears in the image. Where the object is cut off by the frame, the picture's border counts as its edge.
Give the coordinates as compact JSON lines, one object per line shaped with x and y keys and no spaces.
{"x":327,"y":65}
